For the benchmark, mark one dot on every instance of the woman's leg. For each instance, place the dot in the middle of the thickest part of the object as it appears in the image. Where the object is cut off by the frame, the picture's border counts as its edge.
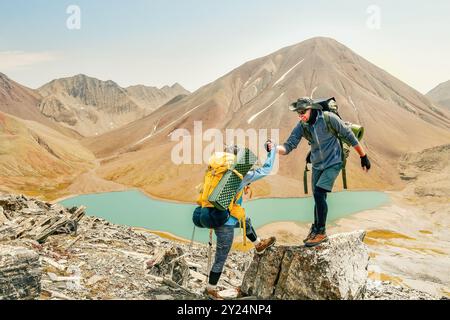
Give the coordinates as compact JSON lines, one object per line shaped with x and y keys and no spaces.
{"x":225,"y":235}
{"x":250,"y":231}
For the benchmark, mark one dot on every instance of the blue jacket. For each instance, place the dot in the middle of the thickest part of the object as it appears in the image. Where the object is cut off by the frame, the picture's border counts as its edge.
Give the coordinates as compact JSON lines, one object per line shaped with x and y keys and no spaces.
{"x":252,"y":176}
{"x":325,"y":147}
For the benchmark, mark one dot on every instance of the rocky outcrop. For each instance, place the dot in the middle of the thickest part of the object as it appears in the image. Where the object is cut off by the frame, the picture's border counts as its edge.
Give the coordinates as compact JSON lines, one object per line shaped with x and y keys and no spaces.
{"x":95,"y":259}
{"x":20,"y":273}
{"x":334,"y":270}
{"x":102,"y":260}
{"x":24,"y":218}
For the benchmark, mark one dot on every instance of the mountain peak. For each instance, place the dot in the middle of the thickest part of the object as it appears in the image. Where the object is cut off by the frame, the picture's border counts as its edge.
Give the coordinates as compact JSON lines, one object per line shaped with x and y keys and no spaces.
{"x":441,"y":94}
{"x":178,"y":86}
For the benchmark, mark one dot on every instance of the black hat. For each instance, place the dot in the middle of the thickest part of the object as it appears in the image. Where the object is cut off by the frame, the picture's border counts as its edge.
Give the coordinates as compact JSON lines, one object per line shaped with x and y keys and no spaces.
{"x":304,"y":104}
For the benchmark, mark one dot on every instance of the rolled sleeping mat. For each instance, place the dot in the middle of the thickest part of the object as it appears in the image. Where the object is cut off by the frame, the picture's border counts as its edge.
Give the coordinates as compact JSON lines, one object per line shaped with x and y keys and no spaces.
{"x":357,"y":130}
{"x":227,"y":187}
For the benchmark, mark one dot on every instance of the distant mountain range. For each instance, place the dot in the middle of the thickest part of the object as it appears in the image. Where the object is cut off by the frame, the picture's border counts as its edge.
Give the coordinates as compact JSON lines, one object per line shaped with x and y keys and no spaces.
{"x":127,"y":128}
{"x":40,"y":130}
{"x":92,"y":107}
{"x":441,"y":94}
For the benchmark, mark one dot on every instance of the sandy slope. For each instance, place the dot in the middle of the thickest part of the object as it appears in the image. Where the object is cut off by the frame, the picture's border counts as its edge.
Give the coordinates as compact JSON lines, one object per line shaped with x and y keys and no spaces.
{"x":38,"y":161}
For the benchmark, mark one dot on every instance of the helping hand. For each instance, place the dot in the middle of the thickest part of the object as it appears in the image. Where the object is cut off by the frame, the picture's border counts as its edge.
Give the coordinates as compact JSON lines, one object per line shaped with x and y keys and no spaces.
{"x":268,"y":145}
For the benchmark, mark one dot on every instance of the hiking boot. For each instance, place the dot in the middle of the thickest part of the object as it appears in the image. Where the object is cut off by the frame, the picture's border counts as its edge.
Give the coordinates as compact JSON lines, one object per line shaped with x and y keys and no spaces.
{"x":311,"y":234}
{"x":317,"y":239}
{"x":213,"y":294}
{"x":264,"y":244}
{"x":239,"y":292}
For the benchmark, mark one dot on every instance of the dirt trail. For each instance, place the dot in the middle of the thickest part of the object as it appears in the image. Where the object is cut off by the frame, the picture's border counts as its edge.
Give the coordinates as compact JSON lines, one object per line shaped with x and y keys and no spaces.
{"x":90,"y":182}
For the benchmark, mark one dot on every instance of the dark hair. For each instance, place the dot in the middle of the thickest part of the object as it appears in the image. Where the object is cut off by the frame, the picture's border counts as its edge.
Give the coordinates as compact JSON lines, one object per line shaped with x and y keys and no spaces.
{"x":313,"y":117}
{"x":234,"y":149}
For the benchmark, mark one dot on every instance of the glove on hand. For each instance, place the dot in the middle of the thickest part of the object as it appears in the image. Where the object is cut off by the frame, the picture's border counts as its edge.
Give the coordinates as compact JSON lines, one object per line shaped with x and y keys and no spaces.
{"x":365,"y":163}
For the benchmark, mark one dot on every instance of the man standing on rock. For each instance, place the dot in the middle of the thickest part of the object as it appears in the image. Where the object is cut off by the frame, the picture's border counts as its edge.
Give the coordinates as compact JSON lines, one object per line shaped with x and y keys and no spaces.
{"x":326,"y":158}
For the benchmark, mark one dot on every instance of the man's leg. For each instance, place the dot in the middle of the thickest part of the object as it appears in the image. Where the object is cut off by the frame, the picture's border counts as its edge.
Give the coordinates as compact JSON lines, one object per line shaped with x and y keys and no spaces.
{"x":323,"y":184}
{"x":313,"y":230}
{"x":320,"y":198}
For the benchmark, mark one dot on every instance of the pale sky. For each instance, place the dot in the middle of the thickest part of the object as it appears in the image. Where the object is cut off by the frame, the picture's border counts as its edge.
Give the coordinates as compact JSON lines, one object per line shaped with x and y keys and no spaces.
{"x":194,"y":42}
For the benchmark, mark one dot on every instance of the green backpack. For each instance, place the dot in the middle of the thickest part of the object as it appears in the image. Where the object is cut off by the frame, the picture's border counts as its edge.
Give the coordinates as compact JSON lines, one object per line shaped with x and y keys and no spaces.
{"x":329,"y":105}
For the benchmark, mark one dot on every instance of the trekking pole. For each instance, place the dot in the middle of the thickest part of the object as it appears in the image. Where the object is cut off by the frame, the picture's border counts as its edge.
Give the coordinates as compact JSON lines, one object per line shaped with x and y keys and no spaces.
{"x":305,"y":179}
{"x":192,"y":238}
{"x":208,"y":269}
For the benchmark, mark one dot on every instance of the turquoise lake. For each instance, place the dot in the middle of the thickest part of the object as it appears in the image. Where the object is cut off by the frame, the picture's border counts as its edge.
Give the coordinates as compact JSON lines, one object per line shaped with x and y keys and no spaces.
{"x":133,"y":208}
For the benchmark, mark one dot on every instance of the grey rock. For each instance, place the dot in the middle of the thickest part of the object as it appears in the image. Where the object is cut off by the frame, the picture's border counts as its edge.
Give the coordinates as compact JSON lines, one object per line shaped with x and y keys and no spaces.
{"x":164,"y":297}
{"x":384,"y":290}
{"x":3,"y":218}
{"x":336,"y":269}
{"x":20,"y":273}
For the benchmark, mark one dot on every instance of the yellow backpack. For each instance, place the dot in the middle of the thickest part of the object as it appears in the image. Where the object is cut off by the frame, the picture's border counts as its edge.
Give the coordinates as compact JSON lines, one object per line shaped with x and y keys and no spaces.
{"x":218,"y":165}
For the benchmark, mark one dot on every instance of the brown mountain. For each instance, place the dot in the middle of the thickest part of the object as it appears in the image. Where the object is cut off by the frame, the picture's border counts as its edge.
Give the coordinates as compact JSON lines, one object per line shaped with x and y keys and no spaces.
{"x":397,"y":119}
{"x":22,"y":102}
{"x":441,"y":94}
{"x":37,"y":160}
{"x":151,"y":98}
{"x":37,"y":156}
{"x":92,"y":107}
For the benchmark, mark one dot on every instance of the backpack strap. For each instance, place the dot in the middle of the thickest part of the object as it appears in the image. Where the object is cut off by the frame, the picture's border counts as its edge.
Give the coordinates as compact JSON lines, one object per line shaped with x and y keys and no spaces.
{"x":326,"y":116}
{"x":305,"y":179}
{"x":343,"y":152}
{"x":237,"y":210}
{"x":306,"y":133}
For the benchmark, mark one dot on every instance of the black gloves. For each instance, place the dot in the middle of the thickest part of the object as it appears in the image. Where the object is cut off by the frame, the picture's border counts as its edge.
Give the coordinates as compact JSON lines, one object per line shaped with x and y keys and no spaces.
{"x":365,"y":163}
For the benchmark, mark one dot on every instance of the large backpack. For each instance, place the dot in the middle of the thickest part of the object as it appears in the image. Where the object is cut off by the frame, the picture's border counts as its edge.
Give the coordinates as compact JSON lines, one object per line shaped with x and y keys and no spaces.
{"x":221,"y":166}
{"x":329,"y":105}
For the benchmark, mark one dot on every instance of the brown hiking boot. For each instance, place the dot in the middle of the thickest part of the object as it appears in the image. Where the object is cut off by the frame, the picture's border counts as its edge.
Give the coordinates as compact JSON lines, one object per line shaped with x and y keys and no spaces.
{"x":213,"y":294}
{"x":311,"y":234}
{"x":316,"y":240}
{"x":240,"y":294}
{"x":264,"y":244}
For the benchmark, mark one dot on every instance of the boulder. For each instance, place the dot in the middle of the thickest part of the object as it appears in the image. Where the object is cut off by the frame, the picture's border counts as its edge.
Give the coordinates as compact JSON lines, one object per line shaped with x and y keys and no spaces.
{"x":20,"y":274}
{"x":170,"y":264}
{"x":336,"y":269}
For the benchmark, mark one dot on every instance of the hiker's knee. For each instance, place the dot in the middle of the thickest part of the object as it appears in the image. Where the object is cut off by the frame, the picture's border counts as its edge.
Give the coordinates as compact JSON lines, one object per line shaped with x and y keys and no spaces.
{"x":225,"y":235}
{"x":320,"y":192}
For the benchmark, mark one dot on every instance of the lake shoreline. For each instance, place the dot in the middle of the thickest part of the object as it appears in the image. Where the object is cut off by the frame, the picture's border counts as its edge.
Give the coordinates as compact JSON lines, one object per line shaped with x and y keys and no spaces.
{"x":153,"y":197}
{"x":134,"y":208}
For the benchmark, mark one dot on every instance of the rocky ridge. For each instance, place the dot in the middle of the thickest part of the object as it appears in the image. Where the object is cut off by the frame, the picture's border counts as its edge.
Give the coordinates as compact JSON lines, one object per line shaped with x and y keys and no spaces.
{"x":82,"y":257}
